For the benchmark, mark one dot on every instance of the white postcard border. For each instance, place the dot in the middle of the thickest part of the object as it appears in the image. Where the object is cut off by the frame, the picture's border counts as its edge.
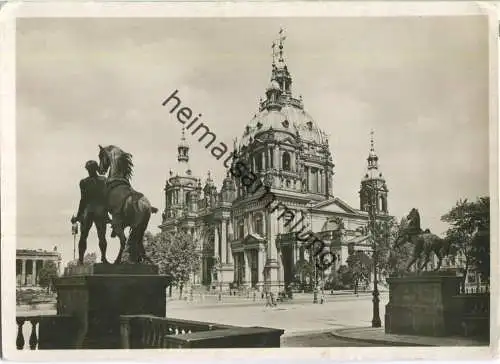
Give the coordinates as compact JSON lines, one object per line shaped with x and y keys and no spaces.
{"x":11,"y":11}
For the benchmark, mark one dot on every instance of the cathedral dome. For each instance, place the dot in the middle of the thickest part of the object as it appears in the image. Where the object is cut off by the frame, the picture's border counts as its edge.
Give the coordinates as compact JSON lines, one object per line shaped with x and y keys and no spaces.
{"x":310,"y":132}
{"x":273,"y":86}
{"x":277,"y":120}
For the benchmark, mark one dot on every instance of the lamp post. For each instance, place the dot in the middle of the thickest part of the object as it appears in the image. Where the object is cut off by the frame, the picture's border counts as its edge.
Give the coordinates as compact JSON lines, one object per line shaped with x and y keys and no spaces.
{"x":315,"y":291}
{"x":372,"y":223}
{"x":74,"y":232}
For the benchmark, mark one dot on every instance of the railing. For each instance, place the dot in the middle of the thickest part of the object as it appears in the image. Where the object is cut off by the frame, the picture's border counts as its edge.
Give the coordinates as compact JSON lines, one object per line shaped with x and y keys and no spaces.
{"x":144,"y":331}
{"x":237,"y":337}
{"x":33,"y":339}
{"x":45,"y":332}
{"x":472,"y":306}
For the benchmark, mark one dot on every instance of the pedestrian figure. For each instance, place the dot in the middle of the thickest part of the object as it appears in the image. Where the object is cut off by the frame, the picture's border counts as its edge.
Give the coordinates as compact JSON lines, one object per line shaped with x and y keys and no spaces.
{"x":268,"y":299}
{"x":254,"y":295}
{"x":273,"y":301}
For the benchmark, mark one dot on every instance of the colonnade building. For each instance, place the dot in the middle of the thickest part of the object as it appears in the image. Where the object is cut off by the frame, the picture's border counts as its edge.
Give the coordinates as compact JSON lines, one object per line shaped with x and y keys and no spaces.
{"x":30,"y":262}
{"x":243,"y":242}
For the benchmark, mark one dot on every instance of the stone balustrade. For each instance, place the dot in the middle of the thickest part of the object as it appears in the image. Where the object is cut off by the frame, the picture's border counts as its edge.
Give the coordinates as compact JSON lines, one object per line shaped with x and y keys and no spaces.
{"x":145,"y":331}
{"x":45,"y":332}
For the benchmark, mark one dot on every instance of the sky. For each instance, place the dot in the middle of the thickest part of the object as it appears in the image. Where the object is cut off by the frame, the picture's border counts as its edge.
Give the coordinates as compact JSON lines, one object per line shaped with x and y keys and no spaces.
{"x":421,"y":83}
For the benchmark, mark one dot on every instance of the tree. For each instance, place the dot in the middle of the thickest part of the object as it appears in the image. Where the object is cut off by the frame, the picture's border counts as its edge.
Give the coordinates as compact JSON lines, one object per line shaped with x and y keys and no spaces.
{"x":391,"y":260}
{"x":470,"y":233}
{"x":302,"y":271}
{"x":345,"y":275}
{"x":88,"y":259}
{"x":176,"y":255}
{"x":47,"y":274}
{"x":360,"y":265}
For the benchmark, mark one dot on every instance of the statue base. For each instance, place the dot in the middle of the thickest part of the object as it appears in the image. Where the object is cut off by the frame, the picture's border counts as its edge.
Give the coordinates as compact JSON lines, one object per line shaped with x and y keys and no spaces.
{"x":96,"y":296}
{"x":421,"y":304}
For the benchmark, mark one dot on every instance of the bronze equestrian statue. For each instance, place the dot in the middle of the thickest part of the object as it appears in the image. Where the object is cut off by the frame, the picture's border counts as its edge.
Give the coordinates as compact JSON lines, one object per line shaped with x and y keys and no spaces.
{"x":424,"y":242}
{"x":128,"y":207}
{"x":92,"y":210}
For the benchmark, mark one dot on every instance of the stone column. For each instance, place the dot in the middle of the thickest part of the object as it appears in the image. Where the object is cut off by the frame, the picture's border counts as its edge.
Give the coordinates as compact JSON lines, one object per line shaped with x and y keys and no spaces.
{"x":33,"y":275}
{"x":216,"y":242}
{"x":260,"y":265}
{"x":23,"y":272}
{"x":272,"y":252}
{"x":320,"y":180}
{"x":308,"y":178}
{"x":271,"y":153}
{"x":250,"y":223}
{"x":248,"y":272}
{"x":277,"y":157}
{"x":268,"y":150}
{"x":233,"y":234}
{"x":263,"y":157}
{"x":245,"y":227}
{"x":292,"y":162}
{"x":224,"y":242}
{"x":281,"y":270}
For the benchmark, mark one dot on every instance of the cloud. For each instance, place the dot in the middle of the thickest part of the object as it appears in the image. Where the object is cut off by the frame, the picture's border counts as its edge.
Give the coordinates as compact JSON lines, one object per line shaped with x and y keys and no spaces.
{"x":420,"y":83}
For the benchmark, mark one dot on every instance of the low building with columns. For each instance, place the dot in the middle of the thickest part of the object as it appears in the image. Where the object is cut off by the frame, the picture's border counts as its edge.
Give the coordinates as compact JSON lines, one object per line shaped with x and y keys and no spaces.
{"x":243,"y":240}
{"x":30,"y":262}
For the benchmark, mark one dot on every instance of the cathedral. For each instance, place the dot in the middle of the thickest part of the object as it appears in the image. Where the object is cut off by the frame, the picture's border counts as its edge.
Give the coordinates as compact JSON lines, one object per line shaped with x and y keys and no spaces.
{"x":242,"y":241}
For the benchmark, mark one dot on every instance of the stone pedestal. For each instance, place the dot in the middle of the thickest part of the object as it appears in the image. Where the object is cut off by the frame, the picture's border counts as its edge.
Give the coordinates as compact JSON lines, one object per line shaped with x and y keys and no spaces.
{"x":421,"y":304}
{"x":98,"y":294}
{"x":272,"y":283}
{"x":225,"y":276}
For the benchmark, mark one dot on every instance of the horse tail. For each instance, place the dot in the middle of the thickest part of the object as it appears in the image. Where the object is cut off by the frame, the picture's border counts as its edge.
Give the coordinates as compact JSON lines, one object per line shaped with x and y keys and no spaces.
{"x":136,"y":235}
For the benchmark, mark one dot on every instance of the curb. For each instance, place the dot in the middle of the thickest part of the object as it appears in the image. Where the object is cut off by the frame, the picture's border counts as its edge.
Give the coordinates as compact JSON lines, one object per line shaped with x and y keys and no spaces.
{"x":305,"y":332}
{"x":337,"y":335}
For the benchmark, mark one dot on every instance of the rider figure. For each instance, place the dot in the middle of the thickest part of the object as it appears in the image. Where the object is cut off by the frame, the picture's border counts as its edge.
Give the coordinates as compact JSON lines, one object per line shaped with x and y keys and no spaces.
{"x":92,"y":210}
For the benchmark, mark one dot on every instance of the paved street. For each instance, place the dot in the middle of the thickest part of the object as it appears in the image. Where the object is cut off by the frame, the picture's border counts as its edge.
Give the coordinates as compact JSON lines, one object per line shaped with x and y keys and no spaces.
{"x":301,"y":315}
{"x":305,"y":324}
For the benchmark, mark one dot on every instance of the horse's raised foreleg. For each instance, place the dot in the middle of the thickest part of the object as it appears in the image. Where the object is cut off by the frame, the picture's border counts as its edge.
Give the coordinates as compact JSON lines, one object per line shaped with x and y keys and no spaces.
{"x":123,"y":239}
{"x":408,"y":267}
{"x":424,"y":263}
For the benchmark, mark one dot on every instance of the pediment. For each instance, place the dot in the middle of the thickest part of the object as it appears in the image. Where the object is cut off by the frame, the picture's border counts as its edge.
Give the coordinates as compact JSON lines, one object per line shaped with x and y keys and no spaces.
{"x":252,"y":238}
{"x":335,"y":205}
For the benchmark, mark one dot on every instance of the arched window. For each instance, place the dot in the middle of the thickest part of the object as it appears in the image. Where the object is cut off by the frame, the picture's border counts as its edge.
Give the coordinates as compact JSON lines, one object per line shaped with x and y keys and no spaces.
{"x":314,"y":180}
{"x":258,"y":224}
{"x":285,"y":161}
{"x":383,"y":201}
{"x":258,"y":162}
{"x":241,"y":229}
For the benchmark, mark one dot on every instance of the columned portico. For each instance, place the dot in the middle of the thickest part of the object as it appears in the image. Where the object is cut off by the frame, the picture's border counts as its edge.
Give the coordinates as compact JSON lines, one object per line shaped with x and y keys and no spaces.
{"x":250,"y":258}
{"x":29,"y":264}
{"x":223,"y":256}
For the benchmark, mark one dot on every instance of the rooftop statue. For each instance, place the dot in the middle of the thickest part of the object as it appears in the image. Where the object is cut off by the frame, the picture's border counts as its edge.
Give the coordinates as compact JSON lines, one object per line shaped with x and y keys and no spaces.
{"x":425,"y":243}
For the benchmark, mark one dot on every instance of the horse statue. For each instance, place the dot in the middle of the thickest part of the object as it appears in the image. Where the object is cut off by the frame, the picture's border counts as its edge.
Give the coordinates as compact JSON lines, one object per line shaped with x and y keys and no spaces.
{"x":424,"y":242}
{"x":128,"y":207}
